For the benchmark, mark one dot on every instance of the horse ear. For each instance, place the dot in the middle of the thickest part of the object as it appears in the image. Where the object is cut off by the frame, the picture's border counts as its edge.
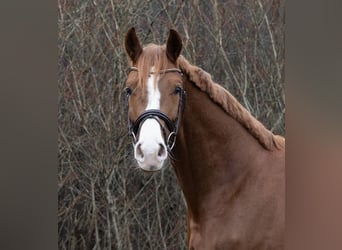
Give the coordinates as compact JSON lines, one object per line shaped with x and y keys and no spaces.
{"x":132,"y":45}
{"x":173,"y":46}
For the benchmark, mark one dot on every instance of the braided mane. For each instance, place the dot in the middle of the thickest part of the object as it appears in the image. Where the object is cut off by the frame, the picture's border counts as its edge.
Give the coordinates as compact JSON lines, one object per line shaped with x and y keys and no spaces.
{"x":230,"y":105}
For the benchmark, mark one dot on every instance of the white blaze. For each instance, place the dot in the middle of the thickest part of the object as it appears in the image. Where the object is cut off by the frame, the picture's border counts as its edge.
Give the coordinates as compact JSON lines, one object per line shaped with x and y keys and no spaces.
{"x":153,"y":96}
{"x":150,"y":151}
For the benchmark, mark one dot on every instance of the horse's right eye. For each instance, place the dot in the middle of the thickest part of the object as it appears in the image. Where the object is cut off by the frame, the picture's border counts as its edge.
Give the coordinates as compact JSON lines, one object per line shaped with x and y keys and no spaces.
{"x":128,"y":91}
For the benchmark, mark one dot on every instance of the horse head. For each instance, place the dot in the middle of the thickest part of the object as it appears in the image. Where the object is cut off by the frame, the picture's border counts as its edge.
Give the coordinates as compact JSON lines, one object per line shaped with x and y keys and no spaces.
{"x":155,"y":97}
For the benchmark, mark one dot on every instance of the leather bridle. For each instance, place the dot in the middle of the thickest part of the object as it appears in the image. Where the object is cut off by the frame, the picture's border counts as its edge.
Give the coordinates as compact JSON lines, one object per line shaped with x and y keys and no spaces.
{"x":156,"y":114}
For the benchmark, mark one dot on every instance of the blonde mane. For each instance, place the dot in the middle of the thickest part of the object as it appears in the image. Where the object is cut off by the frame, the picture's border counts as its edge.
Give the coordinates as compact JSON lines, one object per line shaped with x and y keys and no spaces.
{"x":155,"y":56}
{"x":231,"y":106}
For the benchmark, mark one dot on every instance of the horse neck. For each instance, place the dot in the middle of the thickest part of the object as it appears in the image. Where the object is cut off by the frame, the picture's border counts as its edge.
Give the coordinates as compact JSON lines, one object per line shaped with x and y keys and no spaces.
{"x":212,"y":152}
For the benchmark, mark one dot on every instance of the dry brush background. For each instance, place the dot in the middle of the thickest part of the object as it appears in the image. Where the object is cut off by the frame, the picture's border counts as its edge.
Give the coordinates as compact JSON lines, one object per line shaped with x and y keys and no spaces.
{"x":104,"y":201}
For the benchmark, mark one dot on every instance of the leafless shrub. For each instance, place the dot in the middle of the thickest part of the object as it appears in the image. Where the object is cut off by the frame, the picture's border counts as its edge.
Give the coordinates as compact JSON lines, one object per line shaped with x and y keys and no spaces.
{"x":104,"y":201}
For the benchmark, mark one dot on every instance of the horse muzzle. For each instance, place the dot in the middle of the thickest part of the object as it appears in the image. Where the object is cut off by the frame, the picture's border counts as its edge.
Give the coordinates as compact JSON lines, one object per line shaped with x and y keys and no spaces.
{"x":150,"y":150}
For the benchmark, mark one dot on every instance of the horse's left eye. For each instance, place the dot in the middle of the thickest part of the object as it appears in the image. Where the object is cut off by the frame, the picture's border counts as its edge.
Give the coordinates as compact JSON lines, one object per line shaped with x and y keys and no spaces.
{"x":177,"y":90}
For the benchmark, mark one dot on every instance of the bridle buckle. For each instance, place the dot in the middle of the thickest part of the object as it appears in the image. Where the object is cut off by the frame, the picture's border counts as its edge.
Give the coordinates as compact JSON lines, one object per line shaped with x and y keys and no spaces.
{"x":171,"y":140}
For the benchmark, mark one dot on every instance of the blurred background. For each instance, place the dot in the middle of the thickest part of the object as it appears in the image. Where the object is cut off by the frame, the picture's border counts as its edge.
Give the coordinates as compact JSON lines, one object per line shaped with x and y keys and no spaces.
{"x":104,"y":200}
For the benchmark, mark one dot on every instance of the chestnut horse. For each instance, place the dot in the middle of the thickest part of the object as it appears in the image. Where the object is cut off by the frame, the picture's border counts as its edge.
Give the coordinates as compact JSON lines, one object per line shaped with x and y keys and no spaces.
{"x":229,"y":166}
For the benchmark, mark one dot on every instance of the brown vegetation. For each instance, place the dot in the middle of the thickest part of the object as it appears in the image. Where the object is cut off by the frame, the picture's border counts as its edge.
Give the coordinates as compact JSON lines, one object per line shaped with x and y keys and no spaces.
{"x":104,"y":201}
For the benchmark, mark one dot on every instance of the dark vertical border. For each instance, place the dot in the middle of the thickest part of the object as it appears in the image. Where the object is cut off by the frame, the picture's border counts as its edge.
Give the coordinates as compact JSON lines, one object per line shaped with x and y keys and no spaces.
{"x":313,"y":125}
{"x":28,"y":104}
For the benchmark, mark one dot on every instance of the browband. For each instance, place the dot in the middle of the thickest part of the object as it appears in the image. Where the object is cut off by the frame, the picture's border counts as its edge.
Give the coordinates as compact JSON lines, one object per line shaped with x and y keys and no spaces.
{"x":161,"y":71}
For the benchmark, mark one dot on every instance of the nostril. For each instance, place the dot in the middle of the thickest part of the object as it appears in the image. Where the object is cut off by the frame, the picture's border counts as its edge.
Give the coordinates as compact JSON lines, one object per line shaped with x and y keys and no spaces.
{"x":139,"y":152}
{"x":162,"y":150}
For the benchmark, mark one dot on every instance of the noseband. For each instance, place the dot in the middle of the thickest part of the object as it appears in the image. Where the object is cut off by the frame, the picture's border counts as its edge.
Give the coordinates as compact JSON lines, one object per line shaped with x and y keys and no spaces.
{"x":156,"y":114}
